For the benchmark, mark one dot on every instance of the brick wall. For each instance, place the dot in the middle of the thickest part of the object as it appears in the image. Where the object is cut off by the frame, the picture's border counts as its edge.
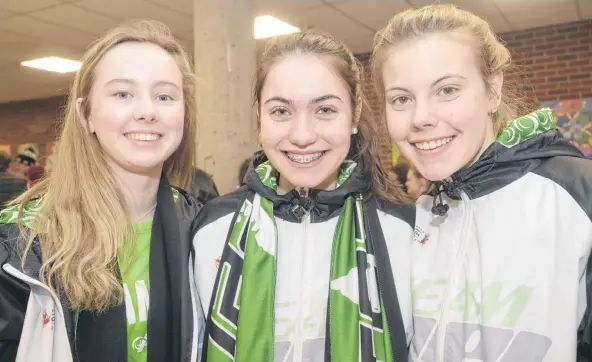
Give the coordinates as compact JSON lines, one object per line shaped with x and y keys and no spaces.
{"x":32,"y":121}
{"x":554,"y":63}
{"x":556,"y":60}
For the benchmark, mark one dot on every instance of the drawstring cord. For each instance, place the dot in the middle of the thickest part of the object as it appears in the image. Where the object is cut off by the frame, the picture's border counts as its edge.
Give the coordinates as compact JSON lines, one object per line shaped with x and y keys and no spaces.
{"x":439,"y":207}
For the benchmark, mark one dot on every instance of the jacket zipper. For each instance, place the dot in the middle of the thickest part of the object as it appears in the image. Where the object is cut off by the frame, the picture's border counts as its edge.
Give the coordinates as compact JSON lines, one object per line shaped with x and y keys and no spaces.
{"x":443,"y":321}
{"x":379,"y":282}
{"x":298,"y":336}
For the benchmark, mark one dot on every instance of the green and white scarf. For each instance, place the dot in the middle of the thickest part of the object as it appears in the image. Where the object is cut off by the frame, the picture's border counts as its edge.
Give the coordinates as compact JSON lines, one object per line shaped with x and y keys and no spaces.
{"x":241,"y":322}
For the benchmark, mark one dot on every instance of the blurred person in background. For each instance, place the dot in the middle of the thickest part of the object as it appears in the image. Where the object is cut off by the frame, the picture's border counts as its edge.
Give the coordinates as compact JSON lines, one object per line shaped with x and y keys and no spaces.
{"x":203,"y":187}
{"x":416,"y":184}
{"x":10,"y":185}
{"x":34,"y":175}
{"x":26,"y":157}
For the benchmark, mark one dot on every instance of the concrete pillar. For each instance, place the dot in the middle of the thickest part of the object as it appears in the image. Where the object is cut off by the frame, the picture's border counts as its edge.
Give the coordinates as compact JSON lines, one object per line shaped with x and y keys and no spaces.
{"x":225,"y":62}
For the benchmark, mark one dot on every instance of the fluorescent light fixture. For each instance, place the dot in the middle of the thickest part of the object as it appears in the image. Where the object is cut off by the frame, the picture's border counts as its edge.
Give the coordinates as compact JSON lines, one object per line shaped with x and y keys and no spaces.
{"x":267,"y":26}
{"x":53,"y":64}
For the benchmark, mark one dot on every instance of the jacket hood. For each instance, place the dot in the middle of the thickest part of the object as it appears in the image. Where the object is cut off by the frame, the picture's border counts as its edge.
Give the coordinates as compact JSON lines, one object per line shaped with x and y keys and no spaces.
{"x":523,"y":145}
{"x":322,"y":204}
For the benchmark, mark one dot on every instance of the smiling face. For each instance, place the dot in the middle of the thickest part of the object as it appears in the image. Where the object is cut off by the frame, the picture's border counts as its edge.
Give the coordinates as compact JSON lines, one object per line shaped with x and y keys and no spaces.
{"x":306,"y":121}
{"x":136,"y":107}
{"x":437,"y":103}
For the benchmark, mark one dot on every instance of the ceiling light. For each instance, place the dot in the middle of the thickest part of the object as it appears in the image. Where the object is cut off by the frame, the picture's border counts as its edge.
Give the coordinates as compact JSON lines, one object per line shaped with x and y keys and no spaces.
{"x":53,"y":64}
{"x":267,"y":26}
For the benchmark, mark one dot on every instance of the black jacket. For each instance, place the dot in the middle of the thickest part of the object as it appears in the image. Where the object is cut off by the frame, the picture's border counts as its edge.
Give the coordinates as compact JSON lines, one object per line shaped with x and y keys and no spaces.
{"x":11,"y":186}
{"x":103,"y":337}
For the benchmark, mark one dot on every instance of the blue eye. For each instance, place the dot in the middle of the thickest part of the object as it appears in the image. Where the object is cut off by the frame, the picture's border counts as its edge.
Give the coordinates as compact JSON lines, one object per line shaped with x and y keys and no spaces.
{"x":446,"y":91}
{"x":164,"y":98}
{"x":122,"y":95}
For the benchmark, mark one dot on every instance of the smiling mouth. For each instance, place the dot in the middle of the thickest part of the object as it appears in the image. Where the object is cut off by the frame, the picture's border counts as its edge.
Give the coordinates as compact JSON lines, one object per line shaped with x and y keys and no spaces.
{"x":433,"y":144}
{"x":306,"y":158}
{"x":143,"y":136}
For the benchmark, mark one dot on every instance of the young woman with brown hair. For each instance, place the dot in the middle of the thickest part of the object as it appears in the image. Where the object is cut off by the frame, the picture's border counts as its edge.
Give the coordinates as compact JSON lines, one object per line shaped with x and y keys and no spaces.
{"x":309,"y":260}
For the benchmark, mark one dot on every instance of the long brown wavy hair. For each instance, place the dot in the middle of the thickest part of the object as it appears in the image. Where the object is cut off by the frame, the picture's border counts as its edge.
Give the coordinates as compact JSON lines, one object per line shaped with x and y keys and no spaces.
{"x":82,"y":221}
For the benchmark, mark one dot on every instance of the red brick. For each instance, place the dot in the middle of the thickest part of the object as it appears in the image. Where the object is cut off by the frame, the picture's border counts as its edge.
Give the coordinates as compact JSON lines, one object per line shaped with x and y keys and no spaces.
{"x":579,"y":63}
{"x":30,"y":121}
{"x":546,"y":73}
{"x":557,"y":65}
{"x":556,"y":51}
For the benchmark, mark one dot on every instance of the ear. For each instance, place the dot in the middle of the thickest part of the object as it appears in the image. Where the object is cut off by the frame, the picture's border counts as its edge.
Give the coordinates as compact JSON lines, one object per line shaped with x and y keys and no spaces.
{"x":496,"y":82}
{"x":85,"y":123}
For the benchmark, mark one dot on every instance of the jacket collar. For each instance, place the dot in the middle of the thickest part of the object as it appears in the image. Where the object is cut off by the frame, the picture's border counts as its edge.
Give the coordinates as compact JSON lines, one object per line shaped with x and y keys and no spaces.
{"x":321,"y":204}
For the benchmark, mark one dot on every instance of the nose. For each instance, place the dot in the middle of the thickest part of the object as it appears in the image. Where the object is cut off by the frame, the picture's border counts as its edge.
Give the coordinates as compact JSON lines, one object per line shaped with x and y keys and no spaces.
{"x":144,"y":109}
{"x":302,"y":131}
{"x":423,"y":115}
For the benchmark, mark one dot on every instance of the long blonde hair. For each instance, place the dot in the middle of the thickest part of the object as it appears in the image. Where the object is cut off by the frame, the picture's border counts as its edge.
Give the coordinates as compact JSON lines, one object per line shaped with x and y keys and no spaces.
{"x":82,"y":222}
{"x":348,"y":68}
{"x":494,"y":57}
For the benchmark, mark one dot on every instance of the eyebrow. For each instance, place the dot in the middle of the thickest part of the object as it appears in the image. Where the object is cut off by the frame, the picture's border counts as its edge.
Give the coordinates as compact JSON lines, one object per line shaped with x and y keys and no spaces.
{"x":279,"y":99}
{"x":326,"y":97}
{"x":313,"y":101}
{"x":133,"y":82}
{"x":442,"y":78}
{"x":447,"y":76}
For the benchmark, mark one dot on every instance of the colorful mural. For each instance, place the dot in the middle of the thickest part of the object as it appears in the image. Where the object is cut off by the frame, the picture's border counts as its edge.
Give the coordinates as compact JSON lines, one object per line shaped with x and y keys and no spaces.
{"x":574,"y":119}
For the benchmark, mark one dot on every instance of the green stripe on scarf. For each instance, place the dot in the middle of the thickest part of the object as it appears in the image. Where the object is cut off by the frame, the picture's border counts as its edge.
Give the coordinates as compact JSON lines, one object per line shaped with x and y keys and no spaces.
{"x":241,"y":324}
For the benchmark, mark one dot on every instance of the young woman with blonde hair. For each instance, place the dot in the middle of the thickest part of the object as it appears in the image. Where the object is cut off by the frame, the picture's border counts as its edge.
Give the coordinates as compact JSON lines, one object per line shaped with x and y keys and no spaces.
{"x":501,"y":245}
{"x":94,"y":260}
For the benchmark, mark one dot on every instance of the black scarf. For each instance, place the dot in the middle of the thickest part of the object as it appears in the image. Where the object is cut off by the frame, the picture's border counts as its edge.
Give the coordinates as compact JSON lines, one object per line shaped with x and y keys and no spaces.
{"x":103,"y":337}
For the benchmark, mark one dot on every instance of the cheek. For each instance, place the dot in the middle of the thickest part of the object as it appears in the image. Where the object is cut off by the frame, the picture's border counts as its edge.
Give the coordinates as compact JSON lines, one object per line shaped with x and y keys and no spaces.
{"x":398,"y":124}
{"x":174,"y":117}
{"x":107,"y":117}
{"x":271,"y":134}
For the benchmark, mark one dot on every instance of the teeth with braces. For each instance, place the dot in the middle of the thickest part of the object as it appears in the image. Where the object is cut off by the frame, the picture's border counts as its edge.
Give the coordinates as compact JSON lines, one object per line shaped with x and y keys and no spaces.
{"x":304,"y":158}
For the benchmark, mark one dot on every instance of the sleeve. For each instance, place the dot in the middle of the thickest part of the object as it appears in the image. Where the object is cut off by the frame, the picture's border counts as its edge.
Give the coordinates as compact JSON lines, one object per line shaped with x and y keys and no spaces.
{"x":14,"y":296}
{"x":13,"y":302}
{"x":585,"y":328}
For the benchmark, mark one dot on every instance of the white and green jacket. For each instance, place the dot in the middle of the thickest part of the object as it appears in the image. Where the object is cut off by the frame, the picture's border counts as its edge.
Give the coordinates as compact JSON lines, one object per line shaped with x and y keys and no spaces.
{"x":500,"y":253}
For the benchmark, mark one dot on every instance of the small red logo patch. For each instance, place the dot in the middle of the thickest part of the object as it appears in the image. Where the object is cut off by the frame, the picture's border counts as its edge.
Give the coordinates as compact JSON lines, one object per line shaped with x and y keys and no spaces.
{"x":46,"y":319}
{"x":420,"y":235}
{"x":218,"y":262}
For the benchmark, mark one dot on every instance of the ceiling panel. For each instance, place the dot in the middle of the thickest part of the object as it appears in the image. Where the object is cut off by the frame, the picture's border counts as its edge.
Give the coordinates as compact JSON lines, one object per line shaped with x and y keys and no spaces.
{"x":182,"y":6}
{"x":278,"y":7}
{"x":8,"y":37}
{"x":126,"y":10}
{"x":76,"y":18}
{"x":5,"y":13}
{"x":329,"y":20}
{"x":375,"y":16}
{"x":39,"y":30}
{"x":23,"y":6}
